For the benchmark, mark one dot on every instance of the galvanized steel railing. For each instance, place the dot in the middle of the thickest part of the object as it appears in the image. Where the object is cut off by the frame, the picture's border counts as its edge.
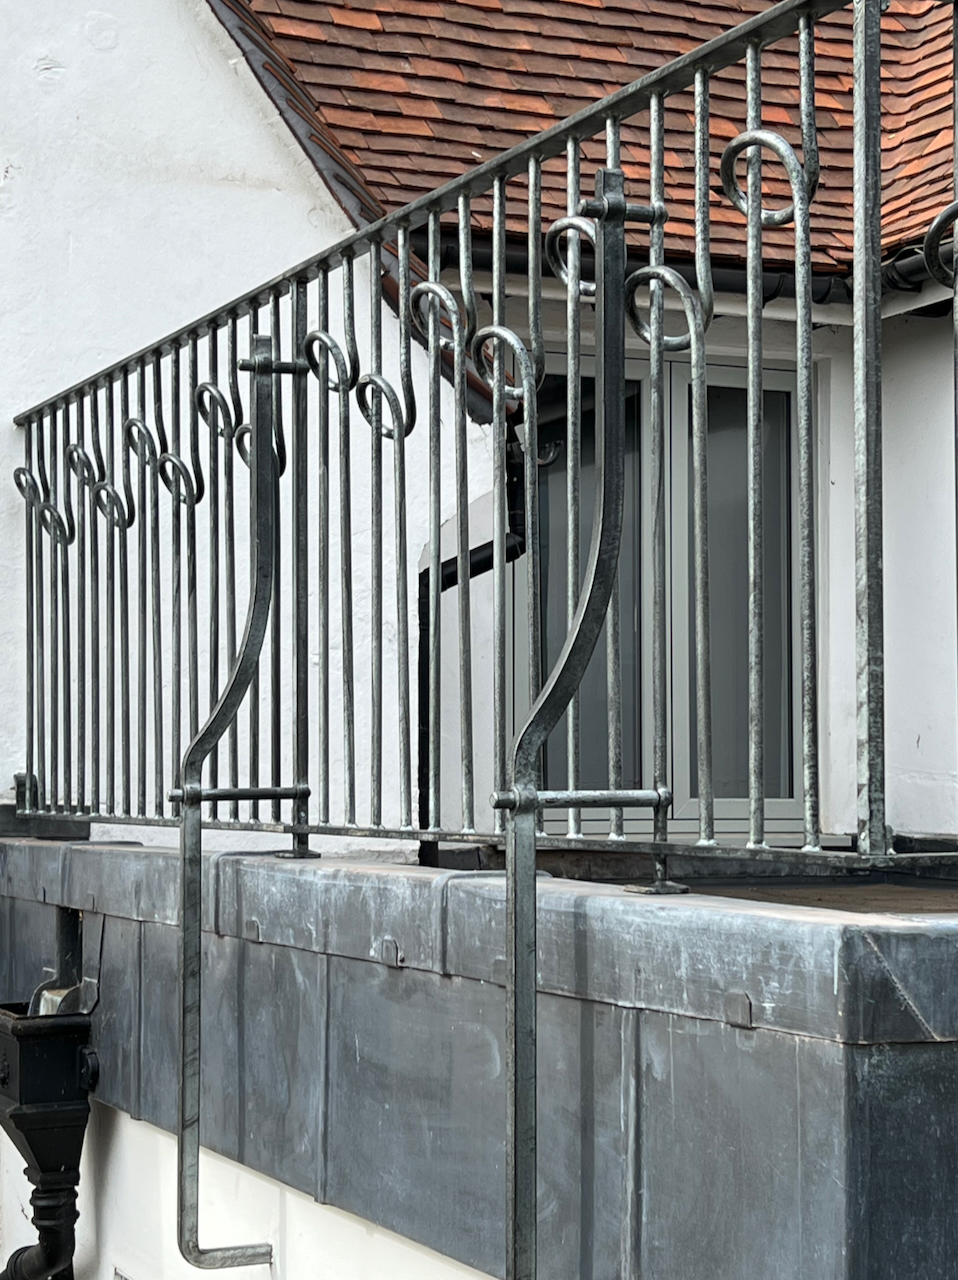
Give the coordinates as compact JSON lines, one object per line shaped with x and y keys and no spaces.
{"x":145,"y":705}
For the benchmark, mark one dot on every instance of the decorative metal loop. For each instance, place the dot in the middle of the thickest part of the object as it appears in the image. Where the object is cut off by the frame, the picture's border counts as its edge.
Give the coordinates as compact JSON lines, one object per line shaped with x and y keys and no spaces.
{"x":932,"y":246}
{"x":376,"y":382}
{"x":671,"y":279}
{"x":430,"y":289}
{"x":80,"y":463}
{"x":343,"y":384}
{"x":773,"y":142}
{"x":52,"y":522}
{"x":567,"y":226}
{"x":207,"y":395}
{"x":526,"y":392}
{"x":173,"y":468}
{"x":136,"y":431}
{"x":668,"y":276}
{"x":135,"y":434}
{"x":108,"y":502}
{"x":27,"y":486}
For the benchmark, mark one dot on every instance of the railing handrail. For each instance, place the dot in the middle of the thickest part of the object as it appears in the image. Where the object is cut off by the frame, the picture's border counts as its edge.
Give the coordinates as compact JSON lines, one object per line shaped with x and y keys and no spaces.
{"x":722,"y":51}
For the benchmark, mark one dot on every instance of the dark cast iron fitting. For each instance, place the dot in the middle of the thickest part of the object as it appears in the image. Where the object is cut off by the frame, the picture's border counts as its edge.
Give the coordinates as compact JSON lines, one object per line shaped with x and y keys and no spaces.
{"x":47,"y":1070}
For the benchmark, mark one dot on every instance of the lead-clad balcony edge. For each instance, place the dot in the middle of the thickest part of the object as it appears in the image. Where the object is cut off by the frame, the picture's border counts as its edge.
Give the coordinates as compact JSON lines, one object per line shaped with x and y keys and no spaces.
{"x":441,"y":537}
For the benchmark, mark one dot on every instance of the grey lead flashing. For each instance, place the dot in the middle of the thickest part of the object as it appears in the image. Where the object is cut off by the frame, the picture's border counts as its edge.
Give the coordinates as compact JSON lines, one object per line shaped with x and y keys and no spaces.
{"x":847,"y":977}
{"x":297,"y":109}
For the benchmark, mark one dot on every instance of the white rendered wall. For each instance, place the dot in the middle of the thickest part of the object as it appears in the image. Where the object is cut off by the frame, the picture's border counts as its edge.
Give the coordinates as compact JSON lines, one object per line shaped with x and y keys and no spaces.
{"x":144,"y":179}
{"x":921,"y":646}
{"x":921,"y":698}
{"x":127,"y":1226}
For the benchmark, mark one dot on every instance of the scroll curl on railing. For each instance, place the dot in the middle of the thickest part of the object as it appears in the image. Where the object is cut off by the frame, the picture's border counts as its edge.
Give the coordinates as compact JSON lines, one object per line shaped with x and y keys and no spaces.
{"x":575,"y":224}
{"x":774,"y":142}
{"x":812,"y":168}
{"x":938,"y":269}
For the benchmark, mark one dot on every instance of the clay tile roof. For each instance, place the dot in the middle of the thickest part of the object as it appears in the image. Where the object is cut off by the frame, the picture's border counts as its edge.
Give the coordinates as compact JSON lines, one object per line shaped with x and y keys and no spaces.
{"x":398,"y":96}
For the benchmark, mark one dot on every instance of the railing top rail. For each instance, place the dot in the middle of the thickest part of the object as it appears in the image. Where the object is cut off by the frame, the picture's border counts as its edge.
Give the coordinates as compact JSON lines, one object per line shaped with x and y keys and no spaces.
{"x":725,"y":50}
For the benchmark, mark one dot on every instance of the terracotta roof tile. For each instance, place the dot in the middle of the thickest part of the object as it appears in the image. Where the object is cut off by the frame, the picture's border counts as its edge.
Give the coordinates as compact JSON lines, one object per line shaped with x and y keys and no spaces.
{"x":417,"y":91}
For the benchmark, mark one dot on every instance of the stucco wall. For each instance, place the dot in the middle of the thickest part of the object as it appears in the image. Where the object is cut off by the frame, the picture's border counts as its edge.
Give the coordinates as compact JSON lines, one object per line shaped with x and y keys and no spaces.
{"x":127,"y":1226}
{"x":144,"y":179}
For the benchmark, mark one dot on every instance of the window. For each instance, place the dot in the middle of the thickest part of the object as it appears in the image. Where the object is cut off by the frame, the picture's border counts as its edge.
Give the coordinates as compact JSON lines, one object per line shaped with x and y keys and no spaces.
{"x":728,"y":562}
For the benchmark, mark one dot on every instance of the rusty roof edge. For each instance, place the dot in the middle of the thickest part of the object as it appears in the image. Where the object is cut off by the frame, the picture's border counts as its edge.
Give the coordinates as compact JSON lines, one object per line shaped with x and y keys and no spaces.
{"x":298,"y":111}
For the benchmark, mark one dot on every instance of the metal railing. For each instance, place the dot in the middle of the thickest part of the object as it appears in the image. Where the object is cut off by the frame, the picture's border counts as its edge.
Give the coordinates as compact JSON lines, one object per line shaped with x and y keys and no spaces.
{"x":338,"y":405}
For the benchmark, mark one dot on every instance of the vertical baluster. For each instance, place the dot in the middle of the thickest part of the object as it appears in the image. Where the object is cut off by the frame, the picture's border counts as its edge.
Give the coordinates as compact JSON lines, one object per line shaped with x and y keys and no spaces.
{"x":376,"y":535}
{"x":54,"y":615}
{"x":141,"y":585}
{"x":660,"y":745}
{"x":530,"y":426}
{"x":32,"y":608}
{"x":121,"y":518}
{"x":254,"y":688}
{"x":322,"y":555}
{"x":499,"y":495}
{"x":159,"y":799}
{"x":60,"y":540}
{"x":573,"y":452}
{"x":81,"y":515}
{"x":300,"y":572}
{"x":68,"y":532}
{"x":110,"y":565}
{"x":399,"y":485}
{"x":199,"y":491}
{"x":806,"y":476}
{"x":869,"y":624}
{"x":346,"y":552}
{"x":229,"y":518}
{"x":176,"y":535}
{"x":435,"y":517}
{"x":613,"y":659}
{"x":276,"y":620}
{"x":159,"y":417}
{"x":213,"y":517}
{"x":700,"y":532}
{"x":756,"y":574}
{"x":463,"y":580}
{"x":95,"y":649}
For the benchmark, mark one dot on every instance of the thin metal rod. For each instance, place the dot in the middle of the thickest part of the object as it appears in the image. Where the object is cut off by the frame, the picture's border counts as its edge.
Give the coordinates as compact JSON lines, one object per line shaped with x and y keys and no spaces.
{"x":657,"y":404}
{"x":231,"y":420}
{"x":613,"y":644}
{"x":276,"y":656}
{"x":435,"y":521}
{"x":869,"y":618}
{"x":322,"y":557}
{"x":755,"y":467}
{"x":573,"y":452}
{"x":499,"y":495}
{"x":376,"y":538}
{"x":300,"y":568}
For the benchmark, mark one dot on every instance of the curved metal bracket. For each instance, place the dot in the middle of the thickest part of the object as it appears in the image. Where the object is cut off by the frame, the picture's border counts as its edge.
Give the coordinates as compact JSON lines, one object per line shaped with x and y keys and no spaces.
{"x":262,"y":525}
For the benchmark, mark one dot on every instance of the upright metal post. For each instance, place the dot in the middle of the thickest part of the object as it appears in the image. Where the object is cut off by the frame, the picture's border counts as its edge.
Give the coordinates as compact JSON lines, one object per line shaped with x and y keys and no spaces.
{"x":610,"y":210}
{"x":262,"y":527}
{"x":869,"y":625}
{"x":300,"y":570}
